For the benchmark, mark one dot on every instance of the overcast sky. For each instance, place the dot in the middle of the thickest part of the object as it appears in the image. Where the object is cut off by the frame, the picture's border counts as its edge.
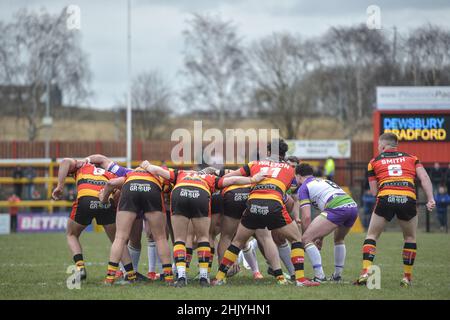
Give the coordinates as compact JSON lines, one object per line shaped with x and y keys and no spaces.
{"x":157,"y":26}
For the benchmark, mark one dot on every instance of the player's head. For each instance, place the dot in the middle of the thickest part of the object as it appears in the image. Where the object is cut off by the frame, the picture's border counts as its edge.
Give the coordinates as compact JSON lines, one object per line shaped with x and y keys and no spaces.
{"x":293,"y":160}
{"x":302,"y":172}
{"x":282,"y":148}
{"x":386,"y":141}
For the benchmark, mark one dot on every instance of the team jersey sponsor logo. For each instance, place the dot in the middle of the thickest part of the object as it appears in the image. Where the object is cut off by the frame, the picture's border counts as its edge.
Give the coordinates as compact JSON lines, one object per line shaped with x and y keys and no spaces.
{"x":93,"y":204}
{"x":261,"y":210}
{"x":397,"y":199}
{"x":191,"y":194}
{"x":140,"y":187}
{"x":241,"y":196}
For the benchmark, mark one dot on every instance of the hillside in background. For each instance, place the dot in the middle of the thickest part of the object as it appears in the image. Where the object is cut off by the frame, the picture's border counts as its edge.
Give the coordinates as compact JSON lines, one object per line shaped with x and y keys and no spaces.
{"x":99,"y":125}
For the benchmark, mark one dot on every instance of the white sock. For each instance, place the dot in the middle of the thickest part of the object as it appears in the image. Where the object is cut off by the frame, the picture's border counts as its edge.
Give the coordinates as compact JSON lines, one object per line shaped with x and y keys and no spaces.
{"x":254,"y":244}
{"x":151,"y":250}
{"x":250,"y":257}
{"x":284,"y":252}
{"x":316,"y":260}
{"x":182,"y":272}
{"x":203,"y":273}
{"x":240,"y":258}
{"x":339,"y":259}
{"x":122,"y":267}
{"x":135,"y":255}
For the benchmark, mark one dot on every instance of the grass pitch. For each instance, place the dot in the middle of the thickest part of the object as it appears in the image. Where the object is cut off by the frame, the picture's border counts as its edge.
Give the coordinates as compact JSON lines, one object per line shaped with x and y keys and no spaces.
{"x":33,"y":266}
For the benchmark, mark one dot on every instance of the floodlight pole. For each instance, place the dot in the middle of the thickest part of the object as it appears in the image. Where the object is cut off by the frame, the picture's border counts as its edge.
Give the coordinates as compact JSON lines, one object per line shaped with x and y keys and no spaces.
{"x":129,"y":122}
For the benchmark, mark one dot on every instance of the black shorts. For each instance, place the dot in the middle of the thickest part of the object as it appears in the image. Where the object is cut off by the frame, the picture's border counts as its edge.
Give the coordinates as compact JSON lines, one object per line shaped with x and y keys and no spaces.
{"x":190,"y":201}
{"x":235,"y":202}
{"x":86,"y":208}
{"x":141,"y":196}
{"x":216,"y":203}
{"x":265,"y":213}
{"x":401,"y":206}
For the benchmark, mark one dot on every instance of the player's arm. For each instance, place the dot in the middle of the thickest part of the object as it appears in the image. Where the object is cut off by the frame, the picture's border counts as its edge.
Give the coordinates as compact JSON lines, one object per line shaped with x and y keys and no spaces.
{"x":66,"y":167}
{"x":427,"y":187}
{"x":110,"y":186}
{"x":373,"y":185}
{"x":232,"y":173}
{"x":100,"y":160}
{"x":371,"y":176}
{"x":305,"y":211}
{"x":156,"y":170}
{"x":236,"y":180}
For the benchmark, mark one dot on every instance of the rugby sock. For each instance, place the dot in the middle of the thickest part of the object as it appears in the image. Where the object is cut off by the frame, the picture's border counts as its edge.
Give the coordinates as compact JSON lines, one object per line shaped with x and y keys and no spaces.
{"x":339,"y":259}
{"x":179,"y":255}
{"x":284,"y":252}
{"x":204,"y":254}
{"x":369,"y":251}
{"x":167,"y":270}
{"x":228,"y":259}
{"x":151,"y":250}
{"x":189,"y":252}
{"x":278,"y":274}
{"x":112,"y":269}
{"x":316,"y":260}
{"x":130,"y":274}
{"x":211,"y":259}
{"x":298,"y":260}
{"x":79,"y":262}
{"x":135,"y":255}
{"x":250,"y":257}
{"x":254,"y":244}
{"x":409,"y":255}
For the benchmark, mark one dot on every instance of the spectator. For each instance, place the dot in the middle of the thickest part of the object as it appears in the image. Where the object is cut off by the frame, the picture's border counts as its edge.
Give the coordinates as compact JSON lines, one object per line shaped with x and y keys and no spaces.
{"x":329,"y":168}
{"x":30,"y":174}
{"x":317,"y":171}
{"x":368,"y":203}
{"x":13,"y":209}
{"x":436,"y":176}
{"x":36,"y":196}
{"x":18,"y":174}
{"x":447,"y":179}
{"x":442,"y":201}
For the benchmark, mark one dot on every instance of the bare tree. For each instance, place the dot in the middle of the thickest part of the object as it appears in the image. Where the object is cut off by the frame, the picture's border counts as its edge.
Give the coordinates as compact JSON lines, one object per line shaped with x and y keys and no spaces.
{"x":278,"y":66}
{"x":37,"y":50}
{"x":214,"y":64}
{"x":151,"y":101}
{"x":427,"y":51}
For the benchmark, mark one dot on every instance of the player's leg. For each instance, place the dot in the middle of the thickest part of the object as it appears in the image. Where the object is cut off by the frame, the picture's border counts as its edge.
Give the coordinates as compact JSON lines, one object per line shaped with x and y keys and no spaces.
{"x":201,"y":227}
{"x":213,"y":232}
{"x":190,"y":238}
{"x":157,"y":224}
{"x":124,"y":223}
{"x":152,"y":254}
{"x":376,"y":227}
{"x":271,"y":253}
{"x":284,"y":251}
{"x":180,"y":225}
{"x":110,"y":230}
{"x":73,"y":233}
{"x":231,"y":254}
{"x":227,"y":230}
{"x":134,"y":242}
{"x":339,"y":252}
{"x":409,"y":229}
{"x":292,"y":233}
{"x":319,"y":228}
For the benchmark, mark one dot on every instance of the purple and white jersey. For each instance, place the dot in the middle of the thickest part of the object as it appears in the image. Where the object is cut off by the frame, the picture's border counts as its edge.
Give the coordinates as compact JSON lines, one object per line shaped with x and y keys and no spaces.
{"x":322,"y":194}
{"x":118,"y":170}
